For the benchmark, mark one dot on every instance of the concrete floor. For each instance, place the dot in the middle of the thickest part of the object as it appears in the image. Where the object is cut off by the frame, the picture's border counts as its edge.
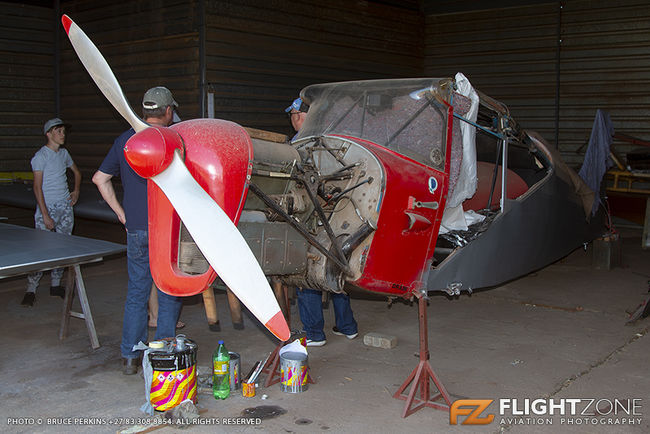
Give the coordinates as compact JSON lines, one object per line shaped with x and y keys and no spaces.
{"x":557,"y":333}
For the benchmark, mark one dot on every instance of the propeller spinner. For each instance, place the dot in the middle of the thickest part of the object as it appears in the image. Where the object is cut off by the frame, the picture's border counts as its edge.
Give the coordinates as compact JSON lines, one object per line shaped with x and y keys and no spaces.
{"x":156,"y":153}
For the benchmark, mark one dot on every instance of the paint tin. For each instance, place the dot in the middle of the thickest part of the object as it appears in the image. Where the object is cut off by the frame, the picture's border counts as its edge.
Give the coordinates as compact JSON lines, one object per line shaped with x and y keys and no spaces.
{"x":235,"y":367}
{"x":248,"y":390}
{"x":294,"y":372}
{"x":174,"y":373}
{"x":300,"y":336}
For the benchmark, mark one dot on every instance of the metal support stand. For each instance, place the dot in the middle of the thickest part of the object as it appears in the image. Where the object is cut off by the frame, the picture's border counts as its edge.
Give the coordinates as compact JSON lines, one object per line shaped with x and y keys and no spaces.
{"x":75,"y":281}
{"x":421,"y":374}
{"x":272,"y":366}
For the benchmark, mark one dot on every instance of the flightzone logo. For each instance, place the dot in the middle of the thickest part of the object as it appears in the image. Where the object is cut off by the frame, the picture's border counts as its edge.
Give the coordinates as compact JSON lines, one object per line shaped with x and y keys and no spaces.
{"x":547,"y":411}
{"x":471,"y":409}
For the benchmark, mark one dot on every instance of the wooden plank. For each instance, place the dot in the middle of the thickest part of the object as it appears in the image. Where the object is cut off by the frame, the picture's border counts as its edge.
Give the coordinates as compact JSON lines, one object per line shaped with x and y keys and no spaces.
{"x":266,"y":135}
{"x":75,"y":281}
{"x":85,"y":307}
{"x":235,"y":310}
{"x":210,"y":306}
{"x":67,"y":303}
{"x":281,"y":294}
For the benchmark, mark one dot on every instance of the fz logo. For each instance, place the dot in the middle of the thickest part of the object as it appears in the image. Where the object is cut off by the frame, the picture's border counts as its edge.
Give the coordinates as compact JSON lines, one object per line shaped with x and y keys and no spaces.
{"x":472,"y":408}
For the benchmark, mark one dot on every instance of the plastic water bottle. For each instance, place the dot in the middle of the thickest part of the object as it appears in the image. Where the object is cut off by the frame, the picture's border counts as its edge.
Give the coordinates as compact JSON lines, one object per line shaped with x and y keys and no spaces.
{"x":221,"y":372}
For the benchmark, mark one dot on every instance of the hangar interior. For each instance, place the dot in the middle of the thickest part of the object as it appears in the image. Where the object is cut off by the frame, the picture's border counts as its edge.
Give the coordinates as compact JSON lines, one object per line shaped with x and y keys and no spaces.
{"x":559,"y":332}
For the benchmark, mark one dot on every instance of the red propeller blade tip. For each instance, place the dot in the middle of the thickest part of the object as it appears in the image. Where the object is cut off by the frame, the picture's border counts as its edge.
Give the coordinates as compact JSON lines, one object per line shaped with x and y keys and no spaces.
{"x":278,"y":326}
{"x":67,"y":22}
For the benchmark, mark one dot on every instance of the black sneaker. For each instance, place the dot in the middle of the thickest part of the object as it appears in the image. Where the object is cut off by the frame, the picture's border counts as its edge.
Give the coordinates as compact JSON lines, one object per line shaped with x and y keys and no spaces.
{"x":28,"y":299}
{"x":57,"y":291}
{"x":340,"y":333}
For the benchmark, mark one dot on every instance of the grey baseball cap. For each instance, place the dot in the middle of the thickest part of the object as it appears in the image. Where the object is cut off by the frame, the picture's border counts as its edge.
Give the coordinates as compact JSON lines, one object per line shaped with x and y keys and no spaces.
{"x":157,"y":97}
{"x":55,"y":122}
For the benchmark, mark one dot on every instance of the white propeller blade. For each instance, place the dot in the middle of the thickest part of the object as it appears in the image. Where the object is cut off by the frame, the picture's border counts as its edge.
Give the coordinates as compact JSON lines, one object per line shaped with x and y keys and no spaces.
{"x":101,"y":73}
{"x":221,"y":244}
{"x":213,"y":231}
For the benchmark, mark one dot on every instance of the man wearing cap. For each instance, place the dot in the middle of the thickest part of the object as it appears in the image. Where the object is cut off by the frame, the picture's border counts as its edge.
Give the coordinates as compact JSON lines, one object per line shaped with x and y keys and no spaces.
{"x":310,"y":305}
{"x":158,"y":109}
{"x":54,"y":201}
{"x":297,"y":112}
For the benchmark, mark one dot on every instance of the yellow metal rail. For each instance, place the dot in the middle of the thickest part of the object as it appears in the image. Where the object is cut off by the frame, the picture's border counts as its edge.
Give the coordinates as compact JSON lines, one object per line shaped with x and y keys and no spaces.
{"x":624,"y":181}
{"x":16,"y":176}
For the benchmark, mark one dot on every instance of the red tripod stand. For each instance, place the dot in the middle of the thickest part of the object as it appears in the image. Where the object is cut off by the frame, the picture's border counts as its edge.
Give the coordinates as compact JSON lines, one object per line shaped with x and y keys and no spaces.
{"x":420,"y":376}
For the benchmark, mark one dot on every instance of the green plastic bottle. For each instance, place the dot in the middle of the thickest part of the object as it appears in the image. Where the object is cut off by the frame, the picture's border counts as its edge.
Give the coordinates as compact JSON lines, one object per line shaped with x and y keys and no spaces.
{"x":221,"y":372}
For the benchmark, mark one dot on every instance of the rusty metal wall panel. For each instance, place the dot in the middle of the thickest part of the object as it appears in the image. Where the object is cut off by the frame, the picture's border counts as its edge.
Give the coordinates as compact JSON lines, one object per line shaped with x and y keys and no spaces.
{"x":509,"y":54}
{"x":26,"y":82}
{"x":512,"y":55}
{"x":431,"y":7}
{"x":260,"y":54}
{"x":147,"y":43}
{"x":605,"y":64}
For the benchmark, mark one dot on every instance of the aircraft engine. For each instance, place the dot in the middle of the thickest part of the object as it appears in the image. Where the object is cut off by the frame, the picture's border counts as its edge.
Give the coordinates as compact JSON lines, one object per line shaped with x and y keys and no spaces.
{"x":310,"y":213}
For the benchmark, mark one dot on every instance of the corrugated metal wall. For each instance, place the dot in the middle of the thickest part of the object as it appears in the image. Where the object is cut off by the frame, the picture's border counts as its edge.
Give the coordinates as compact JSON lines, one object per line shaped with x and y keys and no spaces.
{"x":146,"y":43}
{"x":605,"y":64}
{"x":509,"y":54}
{"x":26,"y":82}
{"x":512,"y":55}
{"x":260,"y":54}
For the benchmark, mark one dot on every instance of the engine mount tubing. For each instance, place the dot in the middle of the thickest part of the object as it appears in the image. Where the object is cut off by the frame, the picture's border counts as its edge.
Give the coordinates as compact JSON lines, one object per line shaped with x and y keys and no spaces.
{"x":353,"y":241}
{"x":287,"y":218}
{"x":326,"y":224}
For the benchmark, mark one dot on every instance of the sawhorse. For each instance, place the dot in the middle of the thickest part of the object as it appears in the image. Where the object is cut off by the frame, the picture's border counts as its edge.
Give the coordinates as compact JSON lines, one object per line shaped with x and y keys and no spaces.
{"x":75,"y":281}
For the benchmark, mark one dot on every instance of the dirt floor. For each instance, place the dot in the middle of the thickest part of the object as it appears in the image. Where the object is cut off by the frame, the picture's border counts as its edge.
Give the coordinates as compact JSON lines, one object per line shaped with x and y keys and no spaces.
{"x":559,"y":333}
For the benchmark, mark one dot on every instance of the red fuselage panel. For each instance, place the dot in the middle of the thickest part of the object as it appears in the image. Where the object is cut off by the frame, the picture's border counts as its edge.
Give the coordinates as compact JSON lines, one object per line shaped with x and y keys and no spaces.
{"x":402,"y":244}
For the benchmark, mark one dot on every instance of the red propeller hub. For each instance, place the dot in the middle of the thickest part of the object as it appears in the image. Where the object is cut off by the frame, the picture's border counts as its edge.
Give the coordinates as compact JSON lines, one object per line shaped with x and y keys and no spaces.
{"x":150,"y":151}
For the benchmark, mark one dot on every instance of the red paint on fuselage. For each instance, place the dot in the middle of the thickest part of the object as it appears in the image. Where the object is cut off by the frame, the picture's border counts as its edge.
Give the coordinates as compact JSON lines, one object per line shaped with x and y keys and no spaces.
{"x":397,"y":256}
{"x":218,"y":154}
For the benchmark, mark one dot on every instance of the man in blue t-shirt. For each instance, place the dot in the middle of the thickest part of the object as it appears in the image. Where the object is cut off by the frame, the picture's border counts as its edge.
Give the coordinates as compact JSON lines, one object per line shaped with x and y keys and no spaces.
{"x":158,"y":109}
{"x":54,"y":201}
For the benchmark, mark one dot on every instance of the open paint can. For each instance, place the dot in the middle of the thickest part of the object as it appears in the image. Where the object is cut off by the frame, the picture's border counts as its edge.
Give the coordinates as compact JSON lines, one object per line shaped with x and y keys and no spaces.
{"x":294,"y":372}
{"x":235,"y":367}
{"x":174,"y":373}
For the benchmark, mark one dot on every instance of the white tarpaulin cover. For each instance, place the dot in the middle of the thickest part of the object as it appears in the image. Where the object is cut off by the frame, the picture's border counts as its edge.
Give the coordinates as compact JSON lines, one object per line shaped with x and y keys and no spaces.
{"x":453,"y":217}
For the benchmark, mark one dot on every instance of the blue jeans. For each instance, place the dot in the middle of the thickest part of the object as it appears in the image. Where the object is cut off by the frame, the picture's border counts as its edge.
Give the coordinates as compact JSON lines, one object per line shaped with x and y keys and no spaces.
{"x":135,"y":323}
{"x":311,"y":313}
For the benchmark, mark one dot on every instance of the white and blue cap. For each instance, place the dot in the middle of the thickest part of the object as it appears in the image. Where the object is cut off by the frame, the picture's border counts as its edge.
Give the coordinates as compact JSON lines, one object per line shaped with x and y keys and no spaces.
{"x":297,"y":105}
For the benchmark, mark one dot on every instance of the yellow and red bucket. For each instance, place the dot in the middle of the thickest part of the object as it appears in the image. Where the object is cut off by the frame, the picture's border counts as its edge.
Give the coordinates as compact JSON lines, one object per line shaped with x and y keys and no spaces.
{"x":174,"y":374}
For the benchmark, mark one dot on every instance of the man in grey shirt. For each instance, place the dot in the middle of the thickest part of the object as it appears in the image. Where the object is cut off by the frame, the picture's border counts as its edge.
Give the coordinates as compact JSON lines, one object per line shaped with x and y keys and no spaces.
{"x":53,"y":199}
